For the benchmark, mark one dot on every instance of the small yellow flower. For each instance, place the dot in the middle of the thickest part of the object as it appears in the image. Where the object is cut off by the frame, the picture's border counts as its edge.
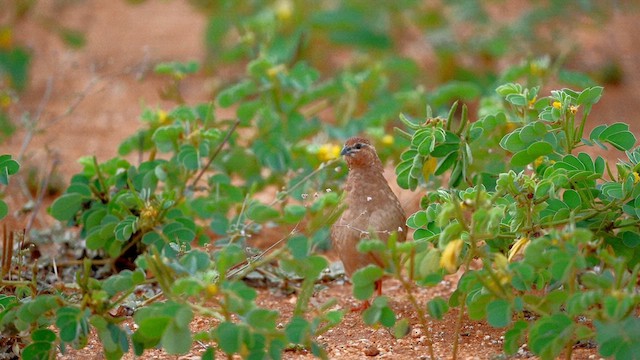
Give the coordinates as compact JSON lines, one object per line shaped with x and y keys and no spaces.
{"x":5,"y":101}
{"x":449,"y":259}
{"x":429,"y":167}
{"x":6,"y":38}
{"x":573,"y":109}
{"x":557,"y":104}
{"x":273,"y":71}
{"x":162,"y":116}
{"x":532,"y":102}
{"x":149,"y":213}
{"x":537,"y":162}
{"x":636,"y":177}
{"x":535,"y":69}
{"x":283,"y":10}
{"x":511,"y":126}
{"x":387,"y":140}
{"x":519,"y":246}
{"x":328,"y":152}
{"x":212,"y":289}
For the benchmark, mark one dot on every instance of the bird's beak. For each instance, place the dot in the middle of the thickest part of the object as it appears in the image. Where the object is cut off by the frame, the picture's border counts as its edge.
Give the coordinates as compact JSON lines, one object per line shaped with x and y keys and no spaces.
{"x":345,"y":151}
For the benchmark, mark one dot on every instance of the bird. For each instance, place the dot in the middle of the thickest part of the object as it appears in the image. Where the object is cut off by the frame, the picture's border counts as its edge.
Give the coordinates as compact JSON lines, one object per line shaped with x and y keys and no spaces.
{"x":372,"y":209}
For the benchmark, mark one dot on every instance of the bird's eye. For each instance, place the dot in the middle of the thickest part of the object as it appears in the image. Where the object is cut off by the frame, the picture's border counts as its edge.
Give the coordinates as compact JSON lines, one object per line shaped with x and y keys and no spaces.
{"x":358,"y":146}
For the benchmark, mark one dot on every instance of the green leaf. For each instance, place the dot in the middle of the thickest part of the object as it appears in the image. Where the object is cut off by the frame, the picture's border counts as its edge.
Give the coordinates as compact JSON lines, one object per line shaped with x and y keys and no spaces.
{"x":572,"y":199}
{"x":261,"y":213}
{"x":39,"y":350}
{"x":499,"y":313}
{"x":550,"y":335}
{"x":620,"y":339}
{"x":617,"y":134}
{"x":535,"y":150}
{"x":631,"y":239}
{"x":46,"y":335}
{"x":8,"y":167}
{"x":189,"y":157}
{"x":297,"y":330}
{"x":235,"y":93}
{"x":126,"y":228}
{"x":437,"y":307}
{"x":229,"y":337}
{"x":363,"y":281}
{"x":445,"y":163}
{"x":517,"y":99}
{"x":401,"y":328}
{"x":153,"y":327}
{"x":294,"y":213}
{"x":515,"y":337}
{"x":66,"y":206}
{"x":262,"y":319}
{"x":299,"y":246}
{"x":72,"y":37}
{"x":4,"y":209}
{"x":590,"y":95}
{"x":176,"y":339}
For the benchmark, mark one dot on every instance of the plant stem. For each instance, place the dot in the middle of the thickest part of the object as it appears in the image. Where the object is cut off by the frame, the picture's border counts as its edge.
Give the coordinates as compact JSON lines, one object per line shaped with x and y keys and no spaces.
{"x":420,"y":312}
{"x":215,"y":154}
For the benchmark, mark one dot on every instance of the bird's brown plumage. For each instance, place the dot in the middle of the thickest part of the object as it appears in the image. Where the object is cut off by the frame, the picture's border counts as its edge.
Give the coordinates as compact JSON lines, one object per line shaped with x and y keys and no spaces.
{"x":373,"y":210}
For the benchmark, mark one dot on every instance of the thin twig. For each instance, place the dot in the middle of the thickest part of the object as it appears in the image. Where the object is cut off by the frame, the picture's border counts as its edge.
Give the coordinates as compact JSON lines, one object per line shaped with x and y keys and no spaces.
{"x":215,"y":154}
{"x":44,"y":184}
{"x":33,"y":124}
{"x":76,"y":102}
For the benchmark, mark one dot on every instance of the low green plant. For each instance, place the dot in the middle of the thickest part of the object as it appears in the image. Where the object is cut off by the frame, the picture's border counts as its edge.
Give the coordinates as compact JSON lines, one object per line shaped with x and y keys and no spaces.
{"x":8,"y":167}
{"x":546,"y":236}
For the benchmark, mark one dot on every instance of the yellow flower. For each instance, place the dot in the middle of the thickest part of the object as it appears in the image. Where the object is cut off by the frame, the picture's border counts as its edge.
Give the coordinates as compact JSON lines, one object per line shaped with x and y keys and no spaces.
{"x":328,"y":152}
{"x":573,"y":109}
{"x":557,"y":104}
{"x":511,"y":126}
{"x":429,"y":167}
{"x":449,"y":259}
{"x":162,"y":116}
{"x":5,"y":101}
{"x":636,"y":177}
{"x":538,"y":161}
{"x":6,"y":38}
{"x":273,"y":71}
{"x":212,"y":289}
{"x":148,"y":213}
{"x":387,"y":140}
{"x":532,"y":102}
{"x":521,"y":244}
{"x":283,"y":10}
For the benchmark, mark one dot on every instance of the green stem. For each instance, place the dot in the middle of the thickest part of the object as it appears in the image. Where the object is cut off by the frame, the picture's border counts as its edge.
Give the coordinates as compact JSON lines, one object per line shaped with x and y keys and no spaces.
{"x":215,"y":154}
{"x":420,"y":312}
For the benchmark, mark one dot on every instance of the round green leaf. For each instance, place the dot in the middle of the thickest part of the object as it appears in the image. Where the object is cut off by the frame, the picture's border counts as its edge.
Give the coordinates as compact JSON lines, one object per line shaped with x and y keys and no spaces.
{"x":499,"y":313}
{"x":229,"y":337}
{"x":66,"y":206}
{"x":437,"y":307}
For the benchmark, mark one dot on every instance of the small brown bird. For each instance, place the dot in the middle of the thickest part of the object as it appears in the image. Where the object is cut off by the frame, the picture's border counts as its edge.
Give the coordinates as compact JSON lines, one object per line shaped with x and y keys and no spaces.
{"x":373,"y":210}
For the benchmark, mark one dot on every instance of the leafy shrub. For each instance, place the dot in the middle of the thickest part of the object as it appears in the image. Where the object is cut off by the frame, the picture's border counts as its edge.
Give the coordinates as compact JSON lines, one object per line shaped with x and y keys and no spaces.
{"x":555,"y":230}
{"x":546,"y":235}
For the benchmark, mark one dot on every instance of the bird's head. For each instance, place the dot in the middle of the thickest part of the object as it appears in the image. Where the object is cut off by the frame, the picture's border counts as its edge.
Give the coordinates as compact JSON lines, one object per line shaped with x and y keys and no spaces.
{"x":359,"y":153}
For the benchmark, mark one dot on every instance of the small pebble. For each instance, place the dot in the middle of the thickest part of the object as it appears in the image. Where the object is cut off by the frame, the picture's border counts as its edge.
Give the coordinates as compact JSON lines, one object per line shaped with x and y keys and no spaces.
{"x":371,"y":351}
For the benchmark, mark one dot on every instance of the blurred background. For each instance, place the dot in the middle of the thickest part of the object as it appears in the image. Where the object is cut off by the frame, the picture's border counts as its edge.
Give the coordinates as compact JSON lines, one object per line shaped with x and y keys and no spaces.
{"x":76,"y":75}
